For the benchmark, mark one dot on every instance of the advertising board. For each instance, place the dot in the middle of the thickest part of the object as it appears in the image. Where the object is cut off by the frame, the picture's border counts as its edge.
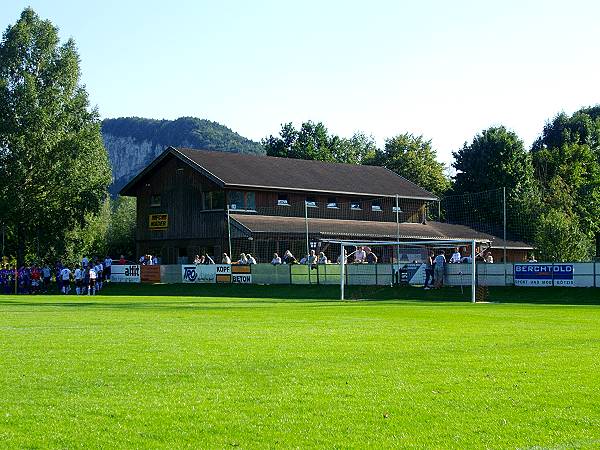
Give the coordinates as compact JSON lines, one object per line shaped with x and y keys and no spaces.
{"x":544,"y":274}
{"x":125,"y":273}
{"x":205,"y":273}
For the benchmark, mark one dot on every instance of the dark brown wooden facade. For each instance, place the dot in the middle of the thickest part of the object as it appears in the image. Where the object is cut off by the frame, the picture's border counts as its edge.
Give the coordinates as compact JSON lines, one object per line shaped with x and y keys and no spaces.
{"x":197,"y":215}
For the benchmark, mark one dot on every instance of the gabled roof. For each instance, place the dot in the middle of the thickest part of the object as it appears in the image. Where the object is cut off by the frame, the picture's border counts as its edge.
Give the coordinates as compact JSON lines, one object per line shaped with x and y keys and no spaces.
{"x":328,"y":228}
{"x":239,"y":170}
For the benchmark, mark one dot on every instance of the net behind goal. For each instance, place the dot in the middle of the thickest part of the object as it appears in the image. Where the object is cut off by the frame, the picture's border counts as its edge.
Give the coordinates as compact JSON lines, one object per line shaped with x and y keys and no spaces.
{"x":425,"y":264}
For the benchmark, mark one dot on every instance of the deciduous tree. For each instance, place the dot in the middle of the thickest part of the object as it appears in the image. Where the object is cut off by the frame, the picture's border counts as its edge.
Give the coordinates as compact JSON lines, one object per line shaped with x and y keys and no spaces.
{"x":53,"y":167}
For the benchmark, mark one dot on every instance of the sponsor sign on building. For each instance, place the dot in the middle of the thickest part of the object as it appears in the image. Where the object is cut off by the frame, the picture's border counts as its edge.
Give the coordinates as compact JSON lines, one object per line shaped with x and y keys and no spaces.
{"x":205,"y":273}
{"x":223,"y":273}
{"x":125,"y":273}
{"x":150,"y":274}
{"x":241,"y":274}
{"x":544,"y":275}
{"x":158,"y":221}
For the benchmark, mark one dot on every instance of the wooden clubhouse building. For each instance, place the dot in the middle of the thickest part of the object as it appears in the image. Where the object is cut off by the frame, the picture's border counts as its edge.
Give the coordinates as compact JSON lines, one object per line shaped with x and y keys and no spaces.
{"x":194,"y":201}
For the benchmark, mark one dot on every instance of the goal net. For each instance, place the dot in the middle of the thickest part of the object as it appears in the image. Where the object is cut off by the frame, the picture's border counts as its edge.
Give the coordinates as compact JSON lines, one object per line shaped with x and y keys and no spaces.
{"x":443,"y":265}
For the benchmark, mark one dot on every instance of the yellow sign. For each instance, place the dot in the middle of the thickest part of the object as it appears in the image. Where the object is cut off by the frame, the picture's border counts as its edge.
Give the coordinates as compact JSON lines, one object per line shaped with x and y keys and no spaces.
{"x":158,"y":221}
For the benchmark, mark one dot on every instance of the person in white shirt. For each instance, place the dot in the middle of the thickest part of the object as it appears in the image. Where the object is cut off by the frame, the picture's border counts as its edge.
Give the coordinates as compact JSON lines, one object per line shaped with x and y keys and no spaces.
{"x":532,"y":259}
{"x":322,"y":258}
{"x":65,"y":276}
{"x":339,"y":260}
{"x":251,"y":259}
{"x":489,"y":259}
{"x":438,"y":269}
{"x":92,"y":286}
{"x":359,"y":255}
{"x":455,"y":258}
{"x":78,"y":280}
{"x":276,"y":259}
{"x":312,"y":258}
{"x":107,"y":268}
{"x":226,"y":259}
{"x":243,"y":259}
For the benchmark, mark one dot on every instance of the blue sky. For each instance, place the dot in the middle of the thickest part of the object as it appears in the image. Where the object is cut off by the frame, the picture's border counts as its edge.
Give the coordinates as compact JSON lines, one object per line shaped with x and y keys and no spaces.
{"x":446,"y":70}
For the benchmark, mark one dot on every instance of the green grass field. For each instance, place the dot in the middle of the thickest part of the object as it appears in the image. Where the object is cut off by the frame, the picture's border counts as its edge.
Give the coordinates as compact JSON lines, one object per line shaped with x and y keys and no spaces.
{"x":260,"y":367}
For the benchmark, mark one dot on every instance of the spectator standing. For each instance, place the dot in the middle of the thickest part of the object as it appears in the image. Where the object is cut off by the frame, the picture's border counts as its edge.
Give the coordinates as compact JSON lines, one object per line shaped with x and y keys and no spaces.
{"x":455,"y":258}
{"x":345,"y":258}
{"x":107,"y":268}
{"x":276,"y":259}
{"x":226,"y":259}
{"x":322,"y":259}
{"x":122,"y":260}
{"x":371,"y":257}
{"x":489,"y":259}
{"x":429,"y":265}
{"x":438,"y":271}
{"x":243,"y":259}
{"x":359,"y":255}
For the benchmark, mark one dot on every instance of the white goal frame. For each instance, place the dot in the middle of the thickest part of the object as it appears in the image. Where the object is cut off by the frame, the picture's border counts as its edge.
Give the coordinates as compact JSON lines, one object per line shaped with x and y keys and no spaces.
{"x":423,"y":242}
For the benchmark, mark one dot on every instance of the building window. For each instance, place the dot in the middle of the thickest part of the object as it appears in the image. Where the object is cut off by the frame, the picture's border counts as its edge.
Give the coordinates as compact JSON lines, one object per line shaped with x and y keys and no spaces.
{"x":376,"y":205}
{"x":155,"y":200}
{"x":245,"y":201}
{"x":214,"y":200}
{"x":311,"y":202}
{"x":396,"y":209}
{"x":282,"y":200}
{"x":355,"y":205}
{"x":332,"y":202}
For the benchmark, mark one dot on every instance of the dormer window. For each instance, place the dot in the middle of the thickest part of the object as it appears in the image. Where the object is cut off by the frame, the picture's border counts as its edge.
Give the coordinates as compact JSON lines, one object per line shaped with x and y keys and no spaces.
{"x":332,"y":203}
{"x":355,"y":205}
{"x":282,"y":200}
{"x":376,"y":205}
{"x":311,"y":202}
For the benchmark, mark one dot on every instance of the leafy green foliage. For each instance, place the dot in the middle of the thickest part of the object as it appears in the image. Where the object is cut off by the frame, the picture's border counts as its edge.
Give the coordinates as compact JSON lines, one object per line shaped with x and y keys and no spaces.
{"x":559,"y":238}
{"x":566,"y":158}
{"x":185,"y":132}
{"x":496,"y":158}
{"x":111,"y":231}
{"x":415,"y":159}
{"x":313,"y":142}
{"x":54,"y":170}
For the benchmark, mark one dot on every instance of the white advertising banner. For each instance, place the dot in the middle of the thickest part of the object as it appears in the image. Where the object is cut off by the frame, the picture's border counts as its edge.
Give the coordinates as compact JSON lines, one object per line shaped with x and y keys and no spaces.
{"x":125,"y":273}
{"x":241,"y":278}
{"x":203,"y":273}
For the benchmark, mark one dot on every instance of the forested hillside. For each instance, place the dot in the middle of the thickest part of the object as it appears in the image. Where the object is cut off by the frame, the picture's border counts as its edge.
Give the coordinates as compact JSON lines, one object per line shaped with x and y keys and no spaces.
{"x":132,"y":142}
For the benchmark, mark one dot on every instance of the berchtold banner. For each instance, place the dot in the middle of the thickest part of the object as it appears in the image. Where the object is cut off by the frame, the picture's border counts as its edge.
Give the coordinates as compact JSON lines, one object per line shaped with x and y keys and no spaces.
{"x":544,"y":274}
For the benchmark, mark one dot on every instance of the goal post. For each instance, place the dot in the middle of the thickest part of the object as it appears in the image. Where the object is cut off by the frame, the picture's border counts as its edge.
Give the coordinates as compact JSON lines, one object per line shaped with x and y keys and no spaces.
{"x":402,"y":254}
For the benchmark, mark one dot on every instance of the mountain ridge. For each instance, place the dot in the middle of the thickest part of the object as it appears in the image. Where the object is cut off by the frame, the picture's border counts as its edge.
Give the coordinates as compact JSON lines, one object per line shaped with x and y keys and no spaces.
{"x":132,"y":142}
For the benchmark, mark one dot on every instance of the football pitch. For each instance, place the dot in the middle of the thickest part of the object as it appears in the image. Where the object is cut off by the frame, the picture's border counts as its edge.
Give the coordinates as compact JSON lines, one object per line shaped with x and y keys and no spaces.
{"x":280,"y":367}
